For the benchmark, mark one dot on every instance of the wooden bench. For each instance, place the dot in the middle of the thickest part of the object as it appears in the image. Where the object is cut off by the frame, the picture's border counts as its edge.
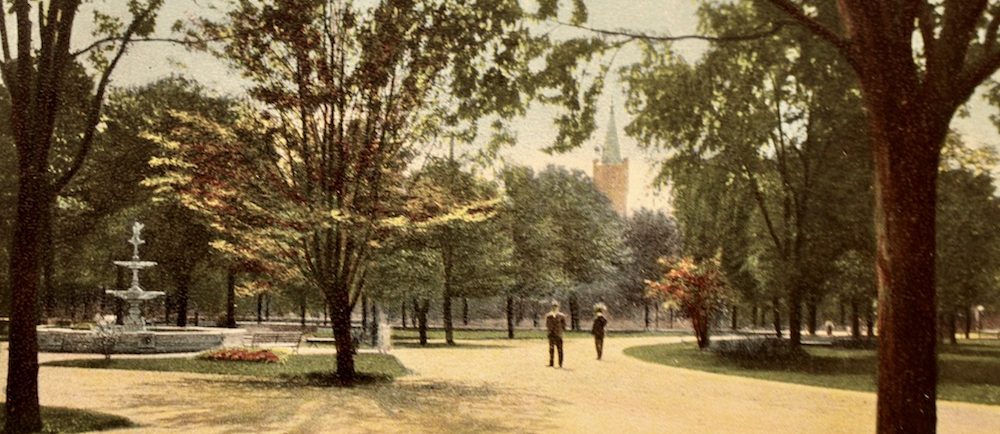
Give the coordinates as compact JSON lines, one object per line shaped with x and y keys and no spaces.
{"x":289,"y":339}
{"x":356,"y":335}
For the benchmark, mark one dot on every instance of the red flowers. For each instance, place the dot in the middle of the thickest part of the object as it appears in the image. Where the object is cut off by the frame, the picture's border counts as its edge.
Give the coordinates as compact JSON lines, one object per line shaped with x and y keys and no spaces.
{"x":242,"y":355}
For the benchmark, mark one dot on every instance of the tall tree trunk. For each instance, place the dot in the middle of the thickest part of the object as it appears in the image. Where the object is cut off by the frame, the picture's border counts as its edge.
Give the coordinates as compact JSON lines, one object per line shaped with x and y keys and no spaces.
{"x":574,"y":312}
{"x":795,"y":314}
{"x":374,"y":325}
{"x":402,"y":314}
{"x":869,"y":318}
{"x":231,"y":299}
{"x":183,"y":286}
{"x":734,"y":319}
{"x":855,"y":320}
{"x":416,"y":310}
{"x":465,"y":311}
{"x":645,"y":314}
{"x":952,"y":327}
{"x":811,"y":312}
{"x":968,"y":321}
{"x":656,"y":316}
{"x":340,"y":318}
{"x":449,"y":337}
{"x":776,"y":316}
{"x":48,"y":274}
{"x":364,"y":314}
{"x":422,"y":309}
{"x":33,"y":216}
{"x":510,"y":317}
{"x":260,"y":308}
{"x":119,"y":303}
{"x":671,"y":317}
{"x":753,"y":316}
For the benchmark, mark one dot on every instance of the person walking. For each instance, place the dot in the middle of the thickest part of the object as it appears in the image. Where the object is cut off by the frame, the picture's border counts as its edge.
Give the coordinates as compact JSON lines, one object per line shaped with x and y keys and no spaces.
{"x":600,"y":322}
{"x":555,"y":322}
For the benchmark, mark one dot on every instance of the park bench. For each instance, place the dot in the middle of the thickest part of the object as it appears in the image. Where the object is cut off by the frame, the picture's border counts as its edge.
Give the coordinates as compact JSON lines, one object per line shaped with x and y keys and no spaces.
{"x":289,"y":339}
{"x":356,"y":336}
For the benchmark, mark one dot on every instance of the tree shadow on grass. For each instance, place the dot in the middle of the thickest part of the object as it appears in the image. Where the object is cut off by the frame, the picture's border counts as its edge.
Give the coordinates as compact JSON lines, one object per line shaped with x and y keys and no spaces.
{"x":233,"y":404}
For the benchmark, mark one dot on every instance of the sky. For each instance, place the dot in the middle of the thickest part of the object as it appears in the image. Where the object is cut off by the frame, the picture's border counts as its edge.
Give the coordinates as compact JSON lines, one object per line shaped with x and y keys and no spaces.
{"x":147,"y":62}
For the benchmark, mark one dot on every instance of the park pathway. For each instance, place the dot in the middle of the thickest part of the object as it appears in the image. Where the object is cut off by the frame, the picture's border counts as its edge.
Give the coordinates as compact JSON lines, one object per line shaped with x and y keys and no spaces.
{"x":488,"y":386}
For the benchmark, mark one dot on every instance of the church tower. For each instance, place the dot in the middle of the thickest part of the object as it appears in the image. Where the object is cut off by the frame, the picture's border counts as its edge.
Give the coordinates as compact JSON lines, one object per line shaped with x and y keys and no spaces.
{"x":611,"y":171}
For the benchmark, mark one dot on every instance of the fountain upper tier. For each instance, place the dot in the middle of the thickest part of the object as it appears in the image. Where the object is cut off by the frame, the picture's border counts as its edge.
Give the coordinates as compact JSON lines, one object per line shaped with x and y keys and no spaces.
{"x":135,"y":265}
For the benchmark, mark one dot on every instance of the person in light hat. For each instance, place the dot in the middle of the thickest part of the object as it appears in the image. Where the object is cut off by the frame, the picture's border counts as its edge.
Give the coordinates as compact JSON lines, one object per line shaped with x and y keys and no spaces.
{"x":555,"y":323}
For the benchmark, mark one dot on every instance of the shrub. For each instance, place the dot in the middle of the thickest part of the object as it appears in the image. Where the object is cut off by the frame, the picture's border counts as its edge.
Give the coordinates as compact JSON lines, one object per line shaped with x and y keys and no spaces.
{"x":258,"y":355}
{"x":758,"y":350}
{"x":697,"y":287}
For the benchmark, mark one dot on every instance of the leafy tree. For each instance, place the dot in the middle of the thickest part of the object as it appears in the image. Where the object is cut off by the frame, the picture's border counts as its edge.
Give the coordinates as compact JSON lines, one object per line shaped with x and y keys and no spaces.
{"x":649,"y":236}
{"x":34,"y":81}
{"x":697,"y":287}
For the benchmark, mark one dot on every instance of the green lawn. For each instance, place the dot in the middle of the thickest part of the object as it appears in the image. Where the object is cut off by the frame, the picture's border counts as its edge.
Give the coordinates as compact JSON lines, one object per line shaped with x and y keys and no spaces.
{"x":59,"y":420}
{"x":968,"y":372}
{"x":309,"y":367}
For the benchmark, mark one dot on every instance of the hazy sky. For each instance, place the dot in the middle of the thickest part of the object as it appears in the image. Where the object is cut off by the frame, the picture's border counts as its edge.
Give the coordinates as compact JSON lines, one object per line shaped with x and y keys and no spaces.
{"x":150,"y":61}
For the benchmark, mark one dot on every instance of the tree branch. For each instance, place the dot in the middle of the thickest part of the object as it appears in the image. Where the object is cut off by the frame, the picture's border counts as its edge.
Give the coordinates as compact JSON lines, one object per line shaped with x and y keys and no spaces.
{"x":97,"y":104}
{"x":116,"y":39}
{"x":4,"y":41}
{"x":757,"y":33}
{"x":795,"y":12}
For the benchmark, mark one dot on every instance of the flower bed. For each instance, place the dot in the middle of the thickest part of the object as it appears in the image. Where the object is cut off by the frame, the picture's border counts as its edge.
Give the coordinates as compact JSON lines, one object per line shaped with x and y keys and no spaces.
{"x":259,"y":355}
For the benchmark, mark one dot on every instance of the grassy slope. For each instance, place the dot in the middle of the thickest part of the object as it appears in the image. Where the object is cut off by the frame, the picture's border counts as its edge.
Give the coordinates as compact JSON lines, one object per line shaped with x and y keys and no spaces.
{"x":969,"y":372}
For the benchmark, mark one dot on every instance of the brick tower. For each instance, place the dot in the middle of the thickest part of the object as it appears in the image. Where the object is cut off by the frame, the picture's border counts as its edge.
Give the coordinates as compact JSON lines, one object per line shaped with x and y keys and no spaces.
{"x":611,"y":171}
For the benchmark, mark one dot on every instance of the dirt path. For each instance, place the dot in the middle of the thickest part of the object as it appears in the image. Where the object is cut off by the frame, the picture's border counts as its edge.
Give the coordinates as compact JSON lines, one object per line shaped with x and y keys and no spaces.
{"x":488,"y":386}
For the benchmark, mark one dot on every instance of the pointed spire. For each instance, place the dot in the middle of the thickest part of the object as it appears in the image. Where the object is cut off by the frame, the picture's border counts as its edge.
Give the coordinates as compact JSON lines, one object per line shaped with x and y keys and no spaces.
{"x":610,"y":154}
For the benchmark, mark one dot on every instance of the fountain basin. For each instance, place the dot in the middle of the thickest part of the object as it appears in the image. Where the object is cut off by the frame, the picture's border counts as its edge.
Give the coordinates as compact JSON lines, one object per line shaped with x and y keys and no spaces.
{"x":154,"y":340}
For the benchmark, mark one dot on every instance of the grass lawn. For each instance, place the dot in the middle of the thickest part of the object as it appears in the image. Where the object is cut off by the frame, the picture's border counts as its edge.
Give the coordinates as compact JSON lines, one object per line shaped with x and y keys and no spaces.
{"x":58,"y":419}
{"x":297,"y":366}
{"x":968,"y":372}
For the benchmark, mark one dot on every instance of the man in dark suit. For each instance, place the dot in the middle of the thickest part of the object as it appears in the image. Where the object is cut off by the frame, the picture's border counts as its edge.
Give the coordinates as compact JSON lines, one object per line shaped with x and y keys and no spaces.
{"x":555,"y":322}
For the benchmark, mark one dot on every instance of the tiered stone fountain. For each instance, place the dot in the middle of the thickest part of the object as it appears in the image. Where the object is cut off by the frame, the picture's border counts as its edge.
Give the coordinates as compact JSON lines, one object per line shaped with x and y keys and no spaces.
{"x":135,"y":295}
{"x":134,"y":336}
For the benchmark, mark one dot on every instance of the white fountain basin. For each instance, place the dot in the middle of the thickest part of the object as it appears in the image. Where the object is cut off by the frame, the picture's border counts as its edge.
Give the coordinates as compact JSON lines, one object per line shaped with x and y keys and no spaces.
{"x":154,"y":340}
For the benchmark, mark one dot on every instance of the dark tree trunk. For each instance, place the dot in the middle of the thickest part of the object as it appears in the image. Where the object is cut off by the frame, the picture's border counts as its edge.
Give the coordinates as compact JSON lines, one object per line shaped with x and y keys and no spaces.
{"x":302,"y":312}
{"x":119,"y":303}
{"x":645,"y":314}
{"x":795,"y":314}
{"x":168,"y":303}
{"x":340,"y":320}
{"x":952,"y":328}
{"x":364,"y":314}
{"x":869,"y":319}
{"x":33,"y":206}
{"x":855,"y":320}
{"x":48,"y":274}
{"x":422,"y":309}
{"x":811,"y":312}
{"x":574,"y":313}
{"x":183,"y":286}
{"x":753,"y":315}
{"x":416,"y":310}
{"x":968,"y":321}
{"x":402,"y":314}
{"x":260,"y":308}
{"x":671,"y":317}
{"x":465,"y":311}
{"x":231,"y":299}
{"x":267,"y":307}
{"x":656,"y":317}
{"x":776,"y":316}
{"x":374,"y":325}
{"x":734,"y":319}
{"x":510,"y":317}
{"x":446,"y":253}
